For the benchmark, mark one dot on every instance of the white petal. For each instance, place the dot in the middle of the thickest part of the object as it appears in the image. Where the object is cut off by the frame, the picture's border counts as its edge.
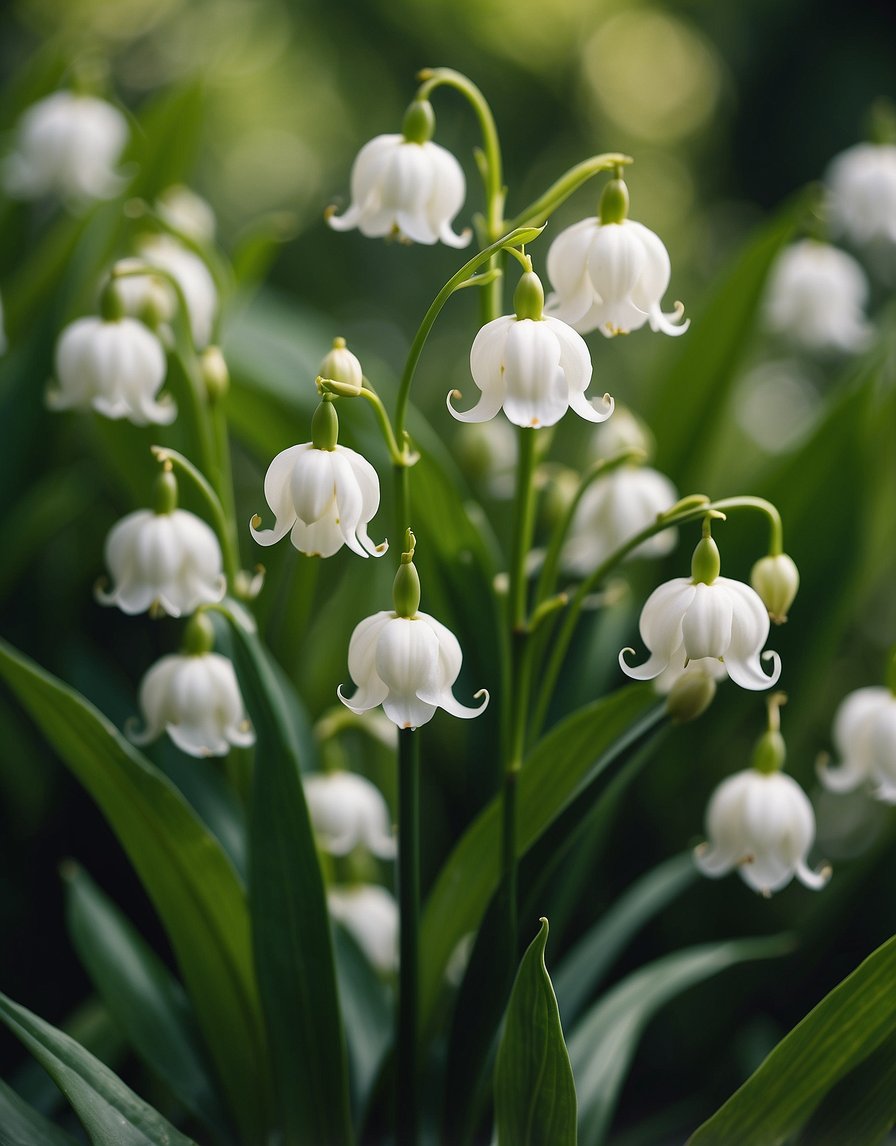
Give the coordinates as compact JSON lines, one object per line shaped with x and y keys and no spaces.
{"x":536,"y":389}
{"x":707,"y":622}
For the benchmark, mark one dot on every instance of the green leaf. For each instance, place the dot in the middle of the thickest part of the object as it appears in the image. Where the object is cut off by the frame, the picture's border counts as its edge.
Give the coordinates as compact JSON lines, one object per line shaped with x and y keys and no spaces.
{"x":835,"y":1040}
{"x":22,"y":1125}
{"x":535,"y":1096}
{"x":367,"y":1008}
{"x":110,"y":1111}
{"x":603,"y":1043}
{"x":290,"y":923}
{"x":566,"y":759}
{"x":586,"y":964}
{"x":142,"y":996}
{"x":188,"y":877}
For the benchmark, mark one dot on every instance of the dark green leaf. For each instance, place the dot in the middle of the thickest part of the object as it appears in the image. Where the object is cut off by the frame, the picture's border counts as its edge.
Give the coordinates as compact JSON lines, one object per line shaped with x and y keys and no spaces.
{"x":367,"y":1008}
{"x":184,"y":870}
{"x":22,"y":1125}
{"x":111,"y":1113}
{"x":535,"y":1097}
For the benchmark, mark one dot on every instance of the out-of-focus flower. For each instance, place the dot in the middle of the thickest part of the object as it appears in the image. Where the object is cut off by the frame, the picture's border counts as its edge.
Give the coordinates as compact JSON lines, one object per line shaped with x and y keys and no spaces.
{"x":864,"y":735}
{"x":776,"y":579}
{"x":610,"y":274}
{"x":862,"y":193}
{"x":192,"y":276}
{"x":816,"y":296}
{"x":195,"y":698}
{"x":705,"y":615}
{"x":487,"y":452}
{"x":347,"y":810}
{"x":187,"y":213}
{"x":689,"y":691}
{"x":167,"y":561}
{"x":67,"y":145}
{"x":116,"y":366}
{"x":763,"y":825}
{"x":613,"y":509}
{"x":407,"y":186}
{"x":370,"y":914}
{"x":532,"y":366}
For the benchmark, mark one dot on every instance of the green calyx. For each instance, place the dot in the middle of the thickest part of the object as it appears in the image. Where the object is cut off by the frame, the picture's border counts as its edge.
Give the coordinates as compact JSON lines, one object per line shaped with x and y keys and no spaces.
{"x":528,"y":298}
{"x":769,"y":753}
{"x":199,"y":636}
{"x":325,"y":425}
{"x":406,"y":586}
{"x":419,"y":122}
{"x":164,"y":494}
{"x":706,"y":562}
{"x":614,"y":202}
{"x":111,"y":303}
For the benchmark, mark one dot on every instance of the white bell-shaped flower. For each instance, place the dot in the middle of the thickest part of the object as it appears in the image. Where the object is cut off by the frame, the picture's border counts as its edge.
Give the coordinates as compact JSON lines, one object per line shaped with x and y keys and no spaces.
{"x":165,"y":560}
{"x":346,"y":811}
{"x":195,"y":698}
{"x":155,"y":295}
{"x":613,"y":509}
{"x":862,"y":194}
{"x":705,"y":615}
{"x":610,"y":274}
{"x":533,"y":367}
{"x":113,"y":365}
{"x":67,"y":145}
{"x":816,"y":296}
{"x":187,"y":213}
{"x":763,"y":825}
{"x":406,"y":186}
{"x":370,"y":915}
{"x":864,"y":735}
{"x":322,"y":494}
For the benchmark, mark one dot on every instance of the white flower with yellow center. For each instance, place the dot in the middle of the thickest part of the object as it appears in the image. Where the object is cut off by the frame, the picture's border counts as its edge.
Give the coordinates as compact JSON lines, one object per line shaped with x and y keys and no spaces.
{"x":67,"y":145}
{"x":864,"y":735}
{"x":407,"y":186}
{"x":532,"y":366}
{"x":370,"y":915}
{"x":705,"y":615}
{"x":346,"y":811}
{"x":610,"y":274}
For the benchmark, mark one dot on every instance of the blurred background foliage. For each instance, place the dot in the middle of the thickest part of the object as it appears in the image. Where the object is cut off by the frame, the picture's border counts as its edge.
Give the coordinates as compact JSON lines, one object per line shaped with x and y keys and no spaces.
{"x":730,"y":111}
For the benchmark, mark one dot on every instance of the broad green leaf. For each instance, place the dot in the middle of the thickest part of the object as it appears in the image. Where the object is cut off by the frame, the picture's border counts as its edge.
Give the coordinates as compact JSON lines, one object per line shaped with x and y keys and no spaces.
{"x":184,"y":870}
{"x":603,"y":1042}
{"x":22,"y":1125}
{"x":586,"y":964}
{"x":535,"y":1096}
{"x":110,"y":1111}
{"x":142,"y":996}
{"x":571,"y":754}
{"x":290,"y":923}
{"x":836,"y":1038}
{"x":367,"y":1009}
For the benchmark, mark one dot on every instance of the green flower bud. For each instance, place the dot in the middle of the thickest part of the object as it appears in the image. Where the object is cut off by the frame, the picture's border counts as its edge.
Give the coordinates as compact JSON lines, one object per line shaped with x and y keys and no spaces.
{"x":199,"y":635}
{"x":614,"y":202}
{"x":776,"y":580}
{"x":528,"y":298}
{"x":164,"y":494}
{"x":690,"y":696}
{"x":214,"y":372}
{"x":706,"y":562}
{"x":406,"y":586}
{"x":340,"y":371}
{"x":419,"y":122}
{"x":111,"y":302}
{"x":770,"y":752}
{"x":325,"y":426}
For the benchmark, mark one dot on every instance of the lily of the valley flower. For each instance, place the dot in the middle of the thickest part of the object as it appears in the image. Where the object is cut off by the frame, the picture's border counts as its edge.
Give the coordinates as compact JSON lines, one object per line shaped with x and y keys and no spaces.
{"x":610,"y":274}
{"x":532,"y":366}
{"x":347,"y":810}
{"x":763,"y":825}
{"x":816,"y":297}
{"x":187,"y":213}
{"x":705,"y":615}
{"x":114,"y":365}
{"x":322,"y":494}
{"x":193,"y":278}
{"x":370,"y":915}
{"x":406,"y":660}
{"x":864,"y":735}
{"x":165,"y":560}
{"x":614,"y":508}
{"x":68,"y":145}
{"x":862,"y":193}
{"x":406,"y":185}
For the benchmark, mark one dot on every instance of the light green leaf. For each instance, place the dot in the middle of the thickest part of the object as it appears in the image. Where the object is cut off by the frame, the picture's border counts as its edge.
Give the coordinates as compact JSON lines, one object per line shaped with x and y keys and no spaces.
{"x":110,"y":1111}
{"x":22,"y":1125}
{"x":290,"y":923}
{"x":535,"y":1097}
{"x":188,"y":877}
{"x":142,"y":996}
{"x":835,"y":1040}
{"x":570,"y":756}
{"x":603,"y":1043}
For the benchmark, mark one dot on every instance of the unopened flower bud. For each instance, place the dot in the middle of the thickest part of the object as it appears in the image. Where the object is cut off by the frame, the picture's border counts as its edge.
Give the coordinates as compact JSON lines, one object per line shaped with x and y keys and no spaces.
{"x":691,"y":694}
{"x":419,"y":122}
{"x":406,"y":586}
{"x":614,"y":202}
{"x":325,"y":427}
{"x":770,"y":752}
{"x":214,"y":372}
{"x":340,"y":371}
{"x":528,"y":298}
{"x":776,"y":580}
{"x":706,"y":562}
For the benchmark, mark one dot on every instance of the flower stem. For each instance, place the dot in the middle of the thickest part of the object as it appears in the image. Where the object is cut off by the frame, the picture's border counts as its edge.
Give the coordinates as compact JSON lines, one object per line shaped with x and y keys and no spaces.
{"x":539,"y":211}
{"x":407,"y":1101}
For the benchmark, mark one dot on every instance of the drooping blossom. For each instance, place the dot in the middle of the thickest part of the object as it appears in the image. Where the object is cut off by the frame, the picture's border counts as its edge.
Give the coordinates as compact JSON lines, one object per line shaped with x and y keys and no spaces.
{"x":864,"y":736}
{"x":153,"y":297}
{"x":346,"y":811}
{"x":861,"y":185}
{"x":370,"y":914}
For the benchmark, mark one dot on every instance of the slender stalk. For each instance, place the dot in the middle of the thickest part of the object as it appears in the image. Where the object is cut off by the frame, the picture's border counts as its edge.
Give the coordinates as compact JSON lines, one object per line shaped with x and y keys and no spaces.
{"x":540,"y":210}
{"x":407,"y":1098}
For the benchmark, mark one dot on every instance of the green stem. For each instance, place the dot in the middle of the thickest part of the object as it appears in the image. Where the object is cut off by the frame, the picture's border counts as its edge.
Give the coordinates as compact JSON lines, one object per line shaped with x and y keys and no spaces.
{"x":696,"y":509}
{"x":540,"y":209}
{"x":523,"y":524}
{"x":398,"y":456}
{"x":224,"y":475}
{"x":407,"y":1090}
